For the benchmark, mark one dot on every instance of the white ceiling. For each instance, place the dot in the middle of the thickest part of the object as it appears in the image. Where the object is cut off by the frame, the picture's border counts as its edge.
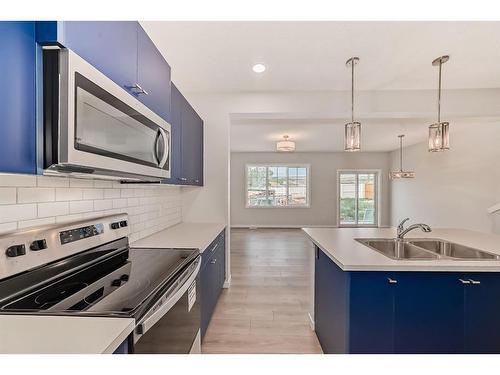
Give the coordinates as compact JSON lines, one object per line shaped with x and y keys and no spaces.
{"x":217,"y":56}
{"x":377,"y":136}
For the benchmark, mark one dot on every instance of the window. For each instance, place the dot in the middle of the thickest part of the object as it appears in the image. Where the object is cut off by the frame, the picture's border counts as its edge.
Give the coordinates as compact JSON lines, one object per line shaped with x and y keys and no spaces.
{"x":277,"y":185}
{"x":357,"y":198}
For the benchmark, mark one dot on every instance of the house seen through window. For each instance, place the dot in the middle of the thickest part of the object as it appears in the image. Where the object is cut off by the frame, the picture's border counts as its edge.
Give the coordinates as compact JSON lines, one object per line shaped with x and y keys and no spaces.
{"x":277,"y":186}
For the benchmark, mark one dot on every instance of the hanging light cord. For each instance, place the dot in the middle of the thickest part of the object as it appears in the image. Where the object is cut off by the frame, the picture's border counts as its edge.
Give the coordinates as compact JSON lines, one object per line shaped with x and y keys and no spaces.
{"x":401,"y":153}
{"x":352,"y":90}
{"x":439,"y":91}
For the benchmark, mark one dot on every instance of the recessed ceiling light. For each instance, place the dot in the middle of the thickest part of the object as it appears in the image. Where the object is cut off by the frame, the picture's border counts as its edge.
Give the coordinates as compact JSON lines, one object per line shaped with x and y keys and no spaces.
{"x":259,"y":68}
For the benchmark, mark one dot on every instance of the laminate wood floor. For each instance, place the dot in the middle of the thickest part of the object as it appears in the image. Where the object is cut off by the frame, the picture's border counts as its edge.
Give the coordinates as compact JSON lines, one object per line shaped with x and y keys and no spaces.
{"x":265,"y":309}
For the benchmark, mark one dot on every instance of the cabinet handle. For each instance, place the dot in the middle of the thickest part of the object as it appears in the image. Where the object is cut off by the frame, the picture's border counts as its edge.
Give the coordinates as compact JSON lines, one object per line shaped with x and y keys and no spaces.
{"x":213,"y":261}
{"x":182,"y":178}
{"x":138,"y":90}
{"x":474,"y":282}
{"x":464,"y":281}
{"x":197,"y":181}
{"x":215,"y":247}
{"x":392,"y":281}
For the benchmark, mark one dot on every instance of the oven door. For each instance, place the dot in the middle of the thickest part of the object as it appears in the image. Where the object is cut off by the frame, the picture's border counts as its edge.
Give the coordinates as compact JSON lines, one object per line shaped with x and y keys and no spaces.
{"x":102,"y":127}
{"x":172,"y":325}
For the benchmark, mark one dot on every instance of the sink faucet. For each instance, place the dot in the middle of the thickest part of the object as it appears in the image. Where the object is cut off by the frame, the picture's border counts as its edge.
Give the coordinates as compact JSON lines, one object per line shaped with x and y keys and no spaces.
{"x":402,"y":231}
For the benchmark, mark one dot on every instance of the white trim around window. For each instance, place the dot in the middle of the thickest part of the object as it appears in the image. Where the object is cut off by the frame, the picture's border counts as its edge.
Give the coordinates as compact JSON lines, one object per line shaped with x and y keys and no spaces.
{"x":289,"y":165}
{"x":378,"y":195}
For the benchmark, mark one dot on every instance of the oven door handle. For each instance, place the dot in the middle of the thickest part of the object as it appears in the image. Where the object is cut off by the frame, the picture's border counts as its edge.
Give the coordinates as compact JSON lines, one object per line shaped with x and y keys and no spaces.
{"x":175,"y":296}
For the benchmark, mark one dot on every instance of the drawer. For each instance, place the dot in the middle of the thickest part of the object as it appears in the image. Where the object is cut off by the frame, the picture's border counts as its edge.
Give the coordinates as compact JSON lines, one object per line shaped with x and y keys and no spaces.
{"x":218,"y":243}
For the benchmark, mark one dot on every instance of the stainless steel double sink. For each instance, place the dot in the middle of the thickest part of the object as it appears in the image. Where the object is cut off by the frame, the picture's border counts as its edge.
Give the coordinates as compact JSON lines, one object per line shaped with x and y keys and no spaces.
{"x":425,"y":249}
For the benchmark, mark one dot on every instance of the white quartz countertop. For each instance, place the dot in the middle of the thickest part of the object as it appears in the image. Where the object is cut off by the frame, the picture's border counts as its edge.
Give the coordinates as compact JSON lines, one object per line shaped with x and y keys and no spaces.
{"x":183,"y":235}
{"x":32,"y":334}
{"x":340,"y":245}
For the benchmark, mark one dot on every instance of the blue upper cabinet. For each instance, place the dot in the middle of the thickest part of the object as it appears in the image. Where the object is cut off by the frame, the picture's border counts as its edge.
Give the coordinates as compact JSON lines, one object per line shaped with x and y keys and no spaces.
{"x":153,"y":75}
{"x":122,"y":51}
{"x":175,"y":136}
{"x":17,"y":107}
{"x":192,"y":146}
{"x":186,"y":142}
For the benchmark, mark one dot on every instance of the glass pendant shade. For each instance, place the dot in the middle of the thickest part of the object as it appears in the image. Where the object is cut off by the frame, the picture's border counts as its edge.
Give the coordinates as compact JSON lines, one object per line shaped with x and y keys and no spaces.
{"x":285,"y":145}
{"x":394,"y":175}
{"x":352,"y":137}
{"x":439,"y":137}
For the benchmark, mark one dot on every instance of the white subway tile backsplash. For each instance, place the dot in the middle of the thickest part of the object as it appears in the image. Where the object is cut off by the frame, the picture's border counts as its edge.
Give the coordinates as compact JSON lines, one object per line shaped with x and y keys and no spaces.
{"x":119,"y":203}
{"x":17,"y":212}
{"x":16,"y":180}
{"x":69,"y":194}
{"x":68,"y":218}
{"x":77,"y":207}
{"x":103,"y":204}
{"x":36,"y":222}
{"x":49,"y":181}
{"x":93,"y":194}
{"x":35,"y":195}
{"x":103,"y":184}
{"x":112,"y":193}
{"x":74,"y":182}
{"x":53,"y":209}
{"x":8,"y":195}
{"x":28,"y":201}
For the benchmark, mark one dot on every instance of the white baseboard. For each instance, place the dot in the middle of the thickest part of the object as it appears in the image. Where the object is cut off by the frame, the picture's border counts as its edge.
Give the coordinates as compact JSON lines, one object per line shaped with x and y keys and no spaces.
{"x":227,"y":283}
{"x":284,"y":226}
{"x":311,"y":321}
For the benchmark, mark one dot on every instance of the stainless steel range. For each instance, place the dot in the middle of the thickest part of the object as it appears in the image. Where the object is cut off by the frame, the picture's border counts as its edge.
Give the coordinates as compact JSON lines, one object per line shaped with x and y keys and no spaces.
{"x":88,"y":268}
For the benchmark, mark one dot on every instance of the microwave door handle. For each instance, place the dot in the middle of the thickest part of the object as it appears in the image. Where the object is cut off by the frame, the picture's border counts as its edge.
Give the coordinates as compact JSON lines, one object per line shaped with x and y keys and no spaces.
{"x":176,"y":295}
{"x":166,"y":146}
{"x":155,"y":147}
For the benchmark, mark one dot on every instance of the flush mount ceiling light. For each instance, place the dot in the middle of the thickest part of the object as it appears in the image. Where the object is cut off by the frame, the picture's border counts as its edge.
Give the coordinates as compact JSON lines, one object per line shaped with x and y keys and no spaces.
{"x":285,"y":145}
{"x":352,"y":137}
{"x":259,"y":68}
{"x":401,"y":173}
{"x":439,"y":133}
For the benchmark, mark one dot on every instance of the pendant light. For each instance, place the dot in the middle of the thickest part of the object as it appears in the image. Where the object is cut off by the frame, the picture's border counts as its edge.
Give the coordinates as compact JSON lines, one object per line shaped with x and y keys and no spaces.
{"x":401,"y":173}
{"x":439,"y":133}
{"x":285,"y":145}
{"x":352,"y":137}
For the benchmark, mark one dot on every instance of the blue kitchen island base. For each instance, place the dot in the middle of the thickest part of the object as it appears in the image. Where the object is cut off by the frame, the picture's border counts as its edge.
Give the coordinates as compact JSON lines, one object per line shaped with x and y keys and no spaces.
{"x":405,"y":312}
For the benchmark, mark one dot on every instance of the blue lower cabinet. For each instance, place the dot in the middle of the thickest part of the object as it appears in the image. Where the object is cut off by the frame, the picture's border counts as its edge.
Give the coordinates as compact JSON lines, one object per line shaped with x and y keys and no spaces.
{"x":405,"y":312}
{"x":482,"y":304}
{"x":17,"y":107}
{"x":371,"y":312}
{"x":330,"y":305}
{"x":212,"y":279}
{"x":429,"y":313}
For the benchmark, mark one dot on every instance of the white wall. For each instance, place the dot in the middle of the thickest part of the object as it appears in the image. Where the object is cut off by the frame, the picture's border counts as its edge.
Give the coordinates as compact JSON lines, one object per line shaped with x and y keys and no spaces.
{"x":453,"y":188}
{"x":27,"y":201}
{"x":323,"y":184}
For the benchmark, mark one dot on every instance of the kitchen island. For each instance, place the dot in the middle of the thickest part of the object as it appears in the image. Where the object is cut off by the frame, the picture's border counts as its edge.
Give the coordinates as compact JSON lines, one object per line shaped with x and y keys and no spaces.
{"x":366,"y":302}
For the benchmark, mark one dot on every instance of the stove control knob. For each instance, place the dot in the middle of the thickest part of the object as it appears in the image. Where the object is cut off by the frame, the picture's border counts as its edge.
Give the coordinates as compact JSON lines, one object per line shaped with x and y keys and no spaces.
{"x":115,"y":225}
{"x":124,"y":277}
{"x":123,"y":223}
{"x":38,"y":245}
{"x":116,"y":282}
{"x":15,"y":251}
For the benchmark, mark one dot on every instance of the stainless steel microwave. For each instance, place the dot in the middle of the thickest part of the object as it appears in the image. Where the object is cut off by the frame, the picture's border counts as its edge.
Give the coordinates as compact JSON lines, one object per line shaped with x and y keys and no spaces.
{"x":94,"y":128}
